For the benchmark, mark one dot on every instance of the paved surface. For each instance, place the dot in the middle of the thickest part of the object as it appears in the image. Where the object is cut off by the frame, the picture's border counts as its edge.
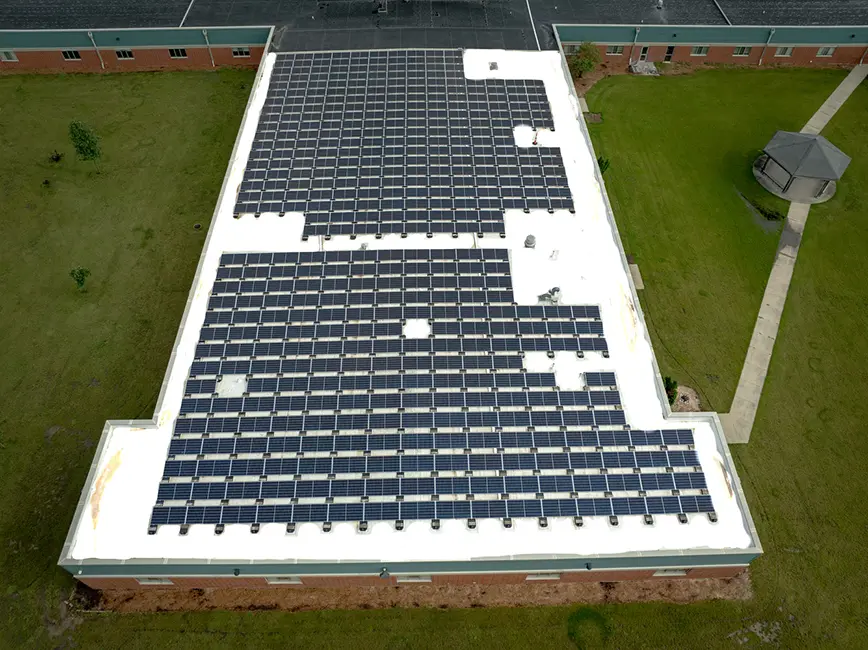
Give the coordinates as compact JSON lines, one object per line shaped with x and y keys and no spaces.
{"x":738,"y":423}
{"x":821,"y":118}
{"x":341,"y":24}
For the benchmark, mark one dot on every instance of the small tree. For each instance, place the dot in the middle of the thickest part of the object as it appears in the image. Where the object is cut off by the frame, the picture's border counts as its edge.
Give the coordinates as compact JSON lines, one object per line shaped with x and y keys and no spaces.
{"x":585,"y":60}
{"x":671,"y":387}
{"x":85,"y":141}
{"x":79,"y":274}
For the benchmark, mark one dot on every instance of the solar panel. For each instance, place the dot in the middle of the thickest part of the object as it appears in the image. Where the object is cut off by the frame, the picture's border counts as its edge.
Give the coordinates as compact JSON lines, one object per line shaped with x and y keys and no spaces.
{"x":398,"y":142}
{"x":344,"y":417}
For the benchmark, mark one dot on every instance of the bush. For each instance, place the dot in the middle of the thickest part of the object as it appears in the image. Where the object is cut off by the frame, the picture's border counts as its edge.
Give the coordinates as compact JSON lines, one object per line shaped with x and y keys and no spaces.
{"x":85,"y":141}
{"x":79,"y":274}
{"x":585,"y":60}
{"x":56,"y":157}
{"x":671,"y":387}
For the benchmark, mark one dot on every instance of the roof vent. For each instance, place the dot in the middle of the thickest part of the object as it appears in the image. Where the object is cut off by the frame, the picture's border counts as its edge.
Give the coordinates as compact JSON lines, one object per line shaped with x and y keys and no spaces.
{"x":530,"y":242}
{"x":552,"y":296}
{"x":492,"y":65}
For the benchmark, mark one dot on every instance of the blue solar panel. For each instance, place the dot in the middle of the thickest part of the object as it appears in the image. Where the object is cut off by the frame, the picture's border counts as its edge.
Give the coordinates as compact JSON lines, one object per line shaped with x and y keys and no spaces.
{"x":344,"y":418}
{"x":357,"y":158}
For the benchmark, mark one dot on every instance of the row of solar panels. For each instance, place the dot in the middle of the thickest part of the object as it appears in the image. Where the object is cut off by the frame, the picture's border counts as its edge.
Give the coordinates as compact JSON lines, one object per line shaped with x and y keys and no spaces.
{"x":399,"y":400}
{"x":371,"y":282}
{"x":399,"y":346}
{"x":362,"y":268}
{"x":551,"y":313}
{"x":395,"y":421}
{"x":438,"y":328}
{"x":461,"y":462}
{"x":332,"y":299}
{"x":409,"y":510}
{"x":512,"y":485}
{"x":367,"y":255}
{"x":255,"y":444}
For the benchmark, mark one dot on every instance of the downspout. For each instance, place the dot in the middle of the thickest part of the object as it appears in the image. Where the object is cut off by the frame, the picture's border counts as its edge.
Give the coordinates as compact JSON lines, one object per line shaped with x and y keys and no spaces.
{"x":96,"y":49}
{"x":633,"y":46}
{"x":864,"y":54}
{"x":768,"y":40}
{"x":208,"y":45}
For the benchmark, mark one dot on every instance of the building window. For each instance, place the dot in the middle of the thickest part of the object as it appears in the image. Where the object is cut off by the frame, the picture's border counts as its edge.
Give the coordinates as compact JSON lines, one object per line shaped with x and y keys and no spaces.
{"x":408,"y":579}
{"x":571,"y":49}
{"x":826,"y":51}
{"x":124,"y":54}
{"x":240,"y":52}
{"x":154,"y":581}
{"x":670,"y":573}
{"x":284,"y":580}
{"x":784,"y":51}
{"x":741,"y":51}
{"x":7,"y":55}
{"x":71,"y":55}
{"x":615,"y":50}
{"x":178,"y":53}
{"x":543,"y":576}
{"x":699,"y":50}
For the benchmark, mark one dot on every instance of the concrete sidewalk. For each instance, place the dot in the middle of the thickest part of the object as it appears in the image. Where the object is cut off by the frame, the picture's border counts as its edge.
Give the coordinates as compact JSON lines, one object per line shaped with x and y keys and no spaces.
{"x":827,"y":111}
{"x":739,"y":421}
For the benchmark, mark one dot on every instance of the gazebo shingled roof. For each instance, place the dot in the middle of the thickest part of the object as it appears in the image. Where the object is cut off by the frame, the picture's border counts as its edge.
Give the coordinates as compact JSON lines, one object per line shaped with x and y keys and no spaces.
{"x":807,"y":156}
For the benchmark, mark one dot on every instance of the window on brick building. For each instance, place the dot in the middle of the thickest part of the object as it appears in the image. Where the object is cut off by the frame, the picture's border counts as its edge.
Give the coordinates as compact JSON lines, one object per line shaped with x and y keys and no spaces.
{"x":71,"y":55}
{"x":240,"y":52}
{"x":402,"y":579}
{"x":154,"y":581}
{"x":178,"y":53}
{"x":699,"y":50}
{"x":826,"y":51}
{"x":124,"y":54}
{"x":7,"y":55}
{"x":615,"y":49}
{"x":784,"y":51}
{"x":284,"y":580}
{"x":671,"y":573}
{"x":543,"y":576}
{"x":741,"y":51}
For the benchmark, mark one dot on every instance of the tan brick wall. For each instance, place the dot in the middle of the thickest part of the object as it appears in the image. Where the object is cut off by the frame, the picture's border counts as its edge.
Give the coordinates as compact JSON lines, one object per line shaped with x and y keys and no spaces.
{"x":145,"y":59}
{"x":480,"y":578}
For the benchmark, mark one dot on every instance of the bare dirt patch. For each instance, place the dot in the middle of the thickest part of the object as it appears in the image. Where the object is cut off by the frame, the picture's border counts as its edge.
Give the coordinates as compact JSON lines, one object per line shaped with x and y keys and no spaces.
{"x":294,"y":599}
{"x":686,"y":400}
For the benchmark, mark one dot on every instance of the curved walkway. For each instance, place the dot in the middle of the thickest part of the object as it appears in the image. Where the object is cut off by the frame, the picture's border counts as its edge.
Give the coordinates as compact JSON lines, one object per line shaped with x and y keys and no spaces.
{"x":738,"y":423}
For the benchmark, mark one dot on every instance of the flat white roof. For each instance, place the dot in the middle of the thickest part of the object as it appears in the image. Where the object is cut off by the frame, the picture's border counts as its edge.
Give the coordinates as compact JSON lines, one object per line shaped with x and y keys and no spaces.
{"x":577,"y":252}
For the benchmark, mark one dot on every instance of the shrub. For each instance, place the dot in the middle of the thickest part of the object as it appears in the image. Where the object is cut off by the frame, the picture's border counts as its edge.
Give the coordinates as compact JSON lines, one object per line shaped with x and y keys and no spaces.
{"x":671,"y":387}
{"x":56,"y":157}
{"x":79,"y":274}
{"x":85,"y":141}
{"x":585,"y":60}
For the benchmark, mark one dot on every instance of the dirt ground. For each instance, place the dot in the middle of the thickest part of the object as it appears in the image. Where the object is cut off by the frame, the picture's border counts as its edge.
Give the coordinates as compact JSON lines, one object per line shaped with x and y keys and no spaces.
{"x":431,"y":596}
{"x":686,"y":400}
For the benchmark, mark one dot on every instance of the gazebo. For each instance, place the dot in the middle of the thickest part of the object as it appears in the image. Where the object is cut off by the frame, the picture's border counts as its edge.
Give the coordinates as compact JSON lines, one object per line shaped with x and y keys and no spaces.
{"x":800,"y":167}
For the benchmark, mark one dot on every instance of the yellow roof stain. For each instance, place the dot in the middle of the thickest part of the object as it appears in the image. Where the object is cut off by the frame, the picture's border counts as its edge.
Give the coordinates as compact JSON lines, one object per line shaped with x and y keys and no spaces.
{"x":102,"y":481}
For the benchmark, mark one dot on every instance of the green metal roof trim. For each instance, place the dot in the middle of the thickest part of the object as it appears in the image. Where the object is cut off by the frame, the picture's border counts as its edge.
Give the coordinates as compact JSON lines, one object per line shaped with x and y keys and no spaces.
{"x":178,"y":568}
{"x":116,"y":38}
{"x":711,"y":34}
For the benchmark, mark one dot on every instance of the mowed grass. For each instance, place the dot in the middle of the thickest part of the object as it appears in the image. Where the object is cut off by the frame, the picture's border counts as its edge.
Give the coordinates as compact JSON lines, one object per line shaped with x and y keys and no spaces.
{"x":681,"y":149}
{"x":802,"y":470}
{"x":72,"y":360}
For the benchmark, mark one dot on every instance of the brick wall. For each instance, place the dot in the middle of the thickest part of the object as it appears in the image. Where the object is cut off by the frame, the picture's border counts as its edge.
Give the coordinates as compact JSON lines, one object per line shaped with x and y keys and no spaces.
{"x":145,"y":59}
{"x":206,"y":582}
{"x":725,"y":54}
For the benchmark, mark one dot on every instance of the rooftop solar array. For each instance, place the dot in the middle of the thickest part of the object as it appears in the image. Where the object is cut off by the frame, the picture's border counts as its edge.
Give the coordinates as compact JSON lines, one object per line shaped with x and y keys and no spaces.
{"x":398,"y":142}
{"x":343,"y":415}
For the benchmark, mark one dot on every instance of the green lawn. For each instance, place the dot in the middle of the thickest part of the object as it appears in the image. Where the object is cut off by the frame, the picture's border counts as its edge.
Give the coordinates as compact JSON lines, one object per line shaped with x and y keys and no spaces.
{"x":680,"y":150}
{"x":73,"y":360}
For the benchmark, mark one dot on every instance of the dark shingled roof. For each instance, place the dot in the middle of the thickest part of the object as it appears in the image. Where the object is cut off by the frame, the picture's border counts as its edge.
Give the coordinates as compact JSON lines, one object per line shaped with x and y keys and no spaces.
{"x":807,"y":156}
{"x":356,"y":24}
